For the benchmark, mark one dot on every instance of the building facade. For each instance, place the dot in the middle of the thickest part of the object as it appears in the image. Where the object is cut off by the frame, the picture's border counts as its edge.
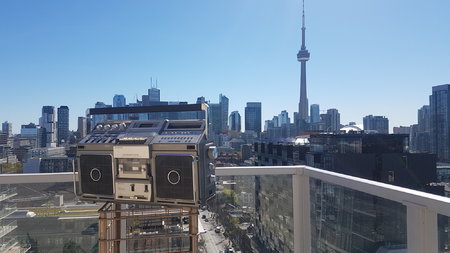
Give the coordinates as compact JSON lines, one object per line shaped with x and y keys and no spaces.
{"x":119,"y":101}
{"x":315,"y":113}
{"x":380,"y":124}
{"x":440,"y":122}
{"x":48,"y":122}
{"x":343,"y":220}
{"x":63,"y":124}
{"x":235,"y":121}
{"x":7,"y":128}
{"x":253,"y":117}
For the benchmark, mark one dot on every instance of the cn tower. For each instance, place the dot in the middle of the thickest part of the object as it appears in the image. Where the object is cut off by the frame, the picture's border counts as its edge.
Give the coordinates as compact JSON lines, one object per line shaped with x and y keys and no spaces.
{"x":303,"y":57}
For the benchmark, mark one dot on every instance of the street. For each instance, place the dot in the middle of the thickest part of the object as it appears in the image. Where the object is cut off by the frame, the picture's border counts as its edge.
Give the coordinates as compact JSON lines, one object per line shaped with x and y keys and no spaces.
{"x":214,"y":242}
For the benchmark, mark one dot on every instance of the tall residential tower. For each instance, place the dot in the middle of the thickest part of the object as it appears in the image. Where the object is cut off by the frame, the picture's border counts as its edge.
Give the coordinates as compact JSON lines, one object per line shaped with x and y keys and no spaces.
{"x":303,"y":57}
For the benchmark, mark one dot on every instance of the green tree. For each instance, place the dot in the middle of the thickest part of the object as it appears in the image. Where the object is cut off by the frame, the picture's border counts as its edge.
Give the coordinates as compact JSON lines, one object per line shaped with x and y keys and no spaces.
{"x":230,"y":196}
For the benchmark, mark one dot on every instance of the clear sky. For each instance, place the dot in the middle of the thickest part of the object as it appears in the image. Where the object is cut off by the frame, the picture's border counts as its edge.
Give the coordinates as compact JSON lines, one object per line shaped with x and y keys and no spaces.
{"x":367,"y":57}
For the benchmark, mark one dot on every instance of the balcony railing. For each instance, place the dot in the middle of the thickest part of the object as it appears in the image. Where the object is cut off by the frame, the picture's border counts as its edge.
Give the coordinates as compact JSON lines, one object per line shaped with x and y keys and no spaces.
{"x":7,"y":228}
{"x":421,"y":209}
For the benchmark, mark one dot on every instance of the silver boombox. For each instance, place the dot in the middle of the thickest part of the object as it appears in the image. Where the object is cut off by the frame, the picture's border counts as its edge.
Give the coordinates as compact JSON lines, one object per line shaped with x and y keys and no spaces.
{"x":166,"y":162}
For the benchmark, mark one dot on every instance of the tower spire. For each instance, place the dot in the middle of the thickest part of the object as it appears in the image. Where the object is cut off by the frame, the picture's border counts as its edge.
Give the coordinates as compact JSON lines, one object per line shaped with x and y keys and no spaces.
{"x":303,"y":57}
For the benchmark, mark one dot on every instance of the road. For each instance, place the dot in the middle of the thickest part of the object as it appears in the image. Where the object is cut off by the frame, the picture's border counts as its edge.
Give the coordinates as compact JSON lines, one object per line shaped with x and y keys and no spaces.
{"x":214,"y":242}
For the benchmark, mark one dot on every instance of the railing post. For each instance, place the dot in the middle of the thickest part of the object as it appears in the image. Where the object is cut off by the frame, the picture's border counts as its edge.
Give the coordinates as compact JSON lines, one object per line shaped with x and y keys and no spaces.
{"x":422,"y":229}
{"x":302,"y":213}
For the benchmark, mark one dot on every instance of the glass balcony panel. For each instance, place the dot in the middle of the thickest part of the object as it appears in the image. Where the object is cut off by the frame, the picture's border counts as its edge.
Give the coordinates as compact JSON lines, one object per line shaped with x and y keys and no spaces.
{"x":345,"y":220}
{"x":234,"y":213}
{"x":49,"y":218}
{"x":443,"y":233}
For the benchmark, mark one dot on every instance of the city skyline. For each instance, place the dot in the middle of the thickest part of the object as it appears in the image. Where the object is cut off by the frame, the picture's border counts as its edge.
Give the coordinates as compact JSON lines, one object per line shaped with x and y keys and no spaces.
{"x":381,"y":66}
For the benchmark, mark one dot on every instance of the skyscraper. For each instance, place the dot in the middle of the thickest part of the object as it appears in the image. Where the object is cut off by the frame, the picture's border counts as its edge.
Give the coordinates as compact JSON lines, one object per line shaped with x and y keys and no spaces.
{"x":440,"y":122}
{"x":63,"y":124}
{"x":224,"y":104}
{"x":253,"y":117}
{"x":283,"y":118}
{"x":48,"y":122}
{"x":376,"y":123}
{"x":235,"y":121}
{"x":99,"y":118}
{"x":303,"y":57}
{"x":315,"y":113}
{"x":332,"y":120}
{"x":422,"y":135}
{"x":119,"y":101}
{"x":82,"y":127}
{"x":154,"y":94}
{"x":7,"y":128}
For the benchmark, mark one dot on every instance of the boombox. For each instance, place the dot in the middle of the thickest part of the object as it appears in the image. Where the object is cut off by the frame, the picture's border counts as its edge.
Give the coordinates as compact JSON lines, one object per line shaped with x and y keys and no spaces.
{"x":166,"y":162}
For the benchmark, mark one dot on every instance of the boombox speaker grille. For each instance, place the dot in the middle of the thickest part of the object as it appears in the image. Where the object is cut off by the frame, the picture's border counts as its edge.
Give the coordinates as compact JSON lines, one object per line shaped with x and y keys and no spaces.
{"x":96,"y":174}
{"x":174,"y":178}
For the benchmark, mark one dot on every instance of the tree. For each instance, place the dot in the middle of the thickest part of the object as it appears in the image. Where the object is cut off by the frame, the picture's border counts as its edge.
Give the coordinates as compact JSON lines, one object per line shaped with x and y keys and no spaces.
{"x":230,"y":196}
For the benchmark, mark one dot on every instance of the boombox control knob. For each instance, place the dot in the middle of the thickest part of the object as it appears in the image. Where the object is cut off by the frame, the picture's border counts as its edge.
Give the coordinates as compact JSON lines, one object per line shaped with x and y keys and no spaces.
{"x":212,"y":152}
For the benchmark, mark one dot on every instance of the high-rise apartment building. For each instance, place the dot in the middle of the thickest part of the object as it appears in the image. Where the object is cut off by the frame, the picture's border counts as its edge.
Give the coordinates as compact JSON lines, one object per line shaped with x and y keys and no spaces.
{"x":82,"y":127}
{"x":440,"y":122}
{"x":283,"y":118}
{"x":376,"y":123}
{"x":332,"y":120}
{"x":235,"y":121}
{"x":253,"y":117}
{"x":422,"y":135}
{"x":63,"y":124}
{"x":402,"y":130}
{"x":100,"y":118}
{"x":35,"y":133}
{"x":119,"y":101}
{"x":48,"y":121}
{"x":315,"y":113}
{"x":7,"y":128}
{"x":218,"y":115}
{"x":224,"y":104}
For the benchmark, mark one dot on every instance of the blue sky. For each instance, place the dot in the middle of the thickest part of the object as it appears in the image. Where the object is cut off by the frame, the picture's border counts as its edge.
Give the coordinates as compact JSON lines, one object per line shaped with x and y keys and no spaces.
{"x":367,"y":57}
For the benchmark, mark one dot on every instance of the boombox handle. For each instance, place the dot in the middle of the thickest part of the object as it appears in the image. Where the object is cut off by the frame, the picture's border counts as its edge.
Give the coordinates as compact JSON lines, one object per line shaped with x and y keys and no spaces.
{"x":154,"y":108}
